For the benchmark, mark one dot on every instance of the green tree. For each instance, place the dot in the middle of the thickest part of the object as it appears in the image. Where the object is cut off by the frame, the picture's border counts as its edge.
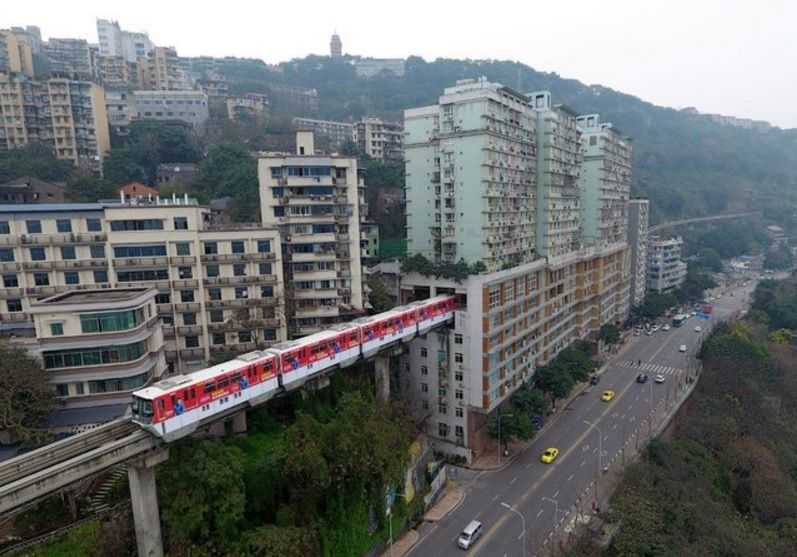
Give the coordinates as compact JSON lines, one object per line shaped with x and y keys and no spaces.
{"x":90,"y":189}
{"x":269,"y":540}
{"x":779,"y":259}
{"x":710,"y":260}
{"x":26,"y":397}
{"x":35,"y":160}
{"x":120,"y":168}
{"x":609,"y":333}
{"x":379,"y":297}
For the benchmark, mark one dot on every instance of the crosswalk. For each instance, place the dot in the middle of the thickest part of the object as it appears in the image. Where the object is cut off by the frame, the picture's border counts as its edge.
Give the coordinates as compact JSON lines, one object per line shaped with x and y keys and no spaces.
{"x":649,"y":367}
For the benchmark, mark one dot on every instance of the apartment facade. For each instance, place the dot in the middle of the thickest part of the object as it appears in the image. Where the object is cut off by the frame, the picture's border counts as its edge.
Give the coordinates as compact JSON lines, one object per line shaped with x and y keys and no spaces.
{"x":219,"y":288}
{"x":511,"y":165}
{"x":114,"y":41}
{"x":69,"y":58}
{"x":67,"y":115}
{"x":470,"y":167}
{"x":665,"y":270}
{"x":338,"y":133}
{"x":190,"y":107}
{"x":605,"y":181}
{"x":15,"y":55}
{"x":97,"y":346}
{"x":638,"y":222}
{"x":379,"y":139}
{"x":160,"y":70}
{"x":252,"y":106}
{"x":315,"y":201}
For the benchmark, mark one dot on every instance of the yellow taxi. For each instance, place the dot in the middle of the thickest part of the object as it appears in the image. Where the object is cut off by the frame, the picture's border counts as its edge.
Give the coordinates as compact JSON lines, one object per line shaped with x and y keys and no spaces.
{"x":549,"y":455}
{"x":607,"y":396}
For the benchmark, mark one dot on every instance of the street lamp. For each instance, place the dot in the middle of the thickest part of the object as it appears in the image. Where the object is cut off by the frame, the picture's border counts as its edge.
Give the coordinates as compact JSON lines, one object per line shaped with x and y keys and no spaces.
{"x":523,"y":522}
{"x":556,"y":509}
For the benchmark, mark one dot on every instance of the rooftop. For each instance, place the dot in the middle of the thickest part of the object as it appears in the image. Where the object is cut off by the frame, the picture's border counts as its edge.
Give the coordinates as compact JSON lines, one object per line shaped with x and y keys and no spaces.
{"x":94,"y":296}
{"x":51,"y":207}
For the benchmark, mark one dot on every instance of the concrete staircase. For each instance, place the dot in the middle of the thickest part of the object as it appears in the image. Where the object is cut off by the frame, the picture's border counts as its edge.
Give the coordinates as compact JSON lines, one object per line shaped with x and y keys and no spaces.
{"x":99,"y":501}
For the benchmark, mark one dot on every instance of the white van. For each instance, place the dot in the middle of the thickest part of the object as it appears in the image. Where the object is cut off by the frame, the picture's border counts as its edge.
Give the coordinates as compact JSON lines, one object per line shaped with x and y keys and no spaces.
{"x":470,"y":534}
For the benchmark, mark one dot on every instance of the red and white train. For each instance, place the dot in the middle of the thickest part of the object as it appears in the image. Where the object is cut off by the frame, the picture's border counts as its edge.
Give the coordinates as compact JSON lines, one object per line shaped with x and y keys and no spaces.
{"x":177,"y":406}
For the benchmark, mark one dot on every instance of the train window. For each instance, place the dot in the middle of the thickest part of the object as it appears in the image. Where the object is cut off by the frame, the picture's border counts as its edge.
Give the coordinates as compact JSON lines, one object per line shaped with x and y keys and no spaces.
{"x":161,"y":404}
{"x":223,"y":383}
{"x":174,"y":401}
{"x":210,"y":386}
{"x":235,"y":378}
{"x":191,"y":393}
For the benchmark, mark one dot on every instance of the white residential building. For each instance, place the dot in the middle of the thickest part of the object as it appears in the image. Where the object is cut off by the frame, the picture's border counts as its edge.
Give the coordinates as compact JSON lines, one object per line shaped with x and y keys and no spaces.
{"x":638,"y":217}
{"x":665,"y":269}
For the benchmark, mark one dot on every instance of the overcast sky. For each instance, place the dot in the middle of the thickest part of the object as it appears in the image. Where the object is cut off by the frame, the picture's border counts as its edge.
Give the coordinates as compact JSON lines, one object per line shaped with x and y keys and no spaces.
{"x":729,"y":56}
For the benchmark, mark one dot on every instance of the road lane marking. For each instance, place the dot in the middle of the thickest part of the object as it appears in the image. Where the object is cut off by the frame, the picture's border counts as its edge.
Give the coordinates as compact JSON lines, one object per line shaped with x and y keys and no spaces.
{"x":583,"y":462}
{"x":513,"y":480}
{"x":540,"y":513}
{"x":570,"y":478}
{"x":555,"y":495}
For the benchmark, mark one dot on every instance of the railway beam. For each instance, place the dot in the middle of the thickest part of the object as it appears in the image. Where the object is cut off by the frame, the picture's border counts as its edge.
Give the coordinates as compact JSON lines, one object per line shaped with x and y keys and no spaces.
{"x":144,"y":501}
{"x":382,"y":373}
{"x":239,"y":422}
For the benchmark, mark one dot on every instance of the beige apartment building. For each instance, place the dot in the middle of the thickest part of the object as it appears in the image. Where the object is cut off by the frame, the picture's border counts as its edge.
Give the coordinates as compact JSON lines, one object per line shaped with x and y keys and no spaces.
{"x":379,"y":139}
{"x":316,"y":202}
{"x":99,"y":345}
{"x":219,"y":288}
{"x":15,"y":55}
{"x":68,"y":115}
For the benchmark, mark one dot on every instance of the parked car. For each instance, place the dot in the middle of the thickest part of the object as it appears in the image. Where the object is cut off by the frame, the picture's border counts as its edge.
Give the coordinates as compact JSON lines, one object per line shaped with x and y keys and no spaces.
{"x":682,"y":348}
{"x":659,"y":378}
{"x":595,"y":379}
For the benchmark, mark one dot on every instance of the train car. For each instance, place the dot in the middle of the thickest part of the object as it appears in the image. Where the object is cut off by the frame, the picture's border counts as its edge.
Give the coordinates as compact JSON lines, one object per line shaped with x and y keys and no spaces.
{"x":434,"y":311}
{"x":397,"y":325}
{"x":177,"y":406}
{"x":300,"y":359}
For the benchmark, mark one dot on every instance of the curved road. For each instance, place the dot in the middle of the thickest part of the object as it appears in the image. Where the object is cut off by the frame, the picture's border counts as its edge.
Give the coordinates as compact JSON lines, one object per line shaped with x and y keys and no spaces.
{"x":538,"y":491}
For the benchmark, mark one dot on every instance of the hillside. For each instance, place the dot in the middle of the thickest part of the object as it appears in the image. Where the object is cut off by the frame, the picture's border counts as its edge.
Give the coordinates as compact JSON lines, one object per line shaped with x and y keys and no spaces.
{"x":685,"y":163}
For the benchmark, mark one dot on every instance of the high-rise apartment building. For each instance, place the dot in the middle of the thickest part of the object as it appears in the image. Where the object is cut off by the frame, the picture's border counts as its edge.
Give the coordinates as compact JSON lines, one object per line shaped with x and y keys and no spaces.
{"x":605,"y":181}
{"x":492,"y":176}
{"x":69,"y":58}
{"x":379,"y":139}
{"x":316,"y":202}
{"x":67,"y":115}
{"x":338,"y":133}
{"x":665,"y":269}
{"x":160,"y":70}
{"x":470,"y":163}
{"x":335,"y":46}
{"x":16,"y":56}
{"x":190,"y":107}
{"x":638,"y":214}
{"x":116,"y":73}
{"x":114,"y":41}
{"x":558,"y":197}
{"x":219,"y":287}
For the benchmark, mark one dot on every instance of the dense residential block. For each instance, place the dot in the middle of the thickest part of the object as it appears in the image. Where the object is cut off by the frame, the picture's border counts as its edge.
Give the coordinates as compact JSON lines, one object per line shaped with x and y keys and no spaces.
{"x":379,"y":139}
{"x":338,"y":133}
{"x":665,"y":270}
{"x":638,"y":218}
{"x":190,"y":107}
{"x":219,"y":288}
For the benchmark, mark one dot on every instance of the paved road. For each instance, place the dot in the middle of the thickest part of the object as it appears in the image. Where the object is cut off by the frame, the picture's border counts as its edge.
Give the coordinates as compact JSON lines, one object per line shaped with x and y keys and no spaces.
{"x":538,"y":491}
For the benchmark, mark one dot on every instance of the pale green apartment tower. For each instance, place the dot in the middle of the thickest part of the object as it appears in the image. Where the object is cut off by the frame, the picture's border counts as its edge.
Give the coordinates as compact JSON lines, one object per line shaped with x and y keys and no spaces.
{"x":470,"y":176}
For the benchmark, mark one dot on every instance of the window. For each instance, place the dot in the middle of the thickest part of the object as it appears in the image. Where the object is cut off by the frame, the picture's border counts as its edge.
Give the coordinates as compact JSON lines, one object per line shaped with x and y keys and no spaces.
{"x":111,"y":321}
{"x":148,"y":274}
{"x":495,"y":297}
{"x":458,"y":412}
{"x":180,"y":223}
{"x":185,"y":272}
{"x":239,"y":269}
{"x":72,"y":277}
{"x":593,"y":140}
{"x":93,"y":225}
{"x":244,"y":336}
{"x":79,"y":388}
{"x":56,"y":329}
{"x":269,"y":334}
{"x":263,"y":246}
{"x":442,"y":408}
{"x":237,"y":246}
{"x":6,"y":254}
{"x":192,"y":341}
{"x":97,"y":251}
{"x":425,"y":404}
{"x":457,"y":338}
{"x":212,"y":271}
{"x":424,"y":352}
{"x":80,"y":357}
{"x":214,"y":293}
{"x":211,"y":248}
{"x":183,"y":248}
{"x":189,"y":319}
{"x":41,"y":279}
{"x":37,"y":254}
{"x":168,"y":320}
{"x":153,"y":250}
{"x":186,"y":296}
{"x":264,"y":268}
{"x":10,"y":280}
{"x":458,"y":375}
{"x":459,"y":395}
{"x":4,"y":228}
{"x":458,"y":357}
{"x":136,"y":225}
{"x":424,"y":370}
{"x":442,"y":429}
{"x":62,"y":389}
{"x":33,"y":226}
{"x":14,"y":305}
{"x":219,"y":338}
{"x":442,"y":392}
{"x":424,"y":388}
{"x":241,"y":293}
{"x":458,"y":431}
{"x":63,"y":225}
{"x":68,"y":252}
{"x":163,"y":298}
{"x":216,"y":316}
{"x":266,"y":291}
{"x":100,"y":277}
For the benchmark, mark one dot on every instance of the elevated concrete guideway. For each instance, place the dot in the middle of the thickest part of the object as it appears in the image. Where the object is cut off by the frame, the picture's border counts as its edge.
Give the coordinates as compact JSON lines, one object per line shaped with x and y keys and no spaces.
{"x":676,"y":223}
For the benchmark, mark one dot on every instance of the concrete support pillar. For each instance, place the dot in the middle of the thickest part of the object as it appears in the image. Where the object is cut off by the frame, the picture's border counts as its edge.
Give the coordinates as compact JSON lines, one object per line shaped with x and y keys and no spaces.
{"x":382,"y":372}
{"x":144,"y":501}
{"x":217,"y":429}
{"x":239,"y":422}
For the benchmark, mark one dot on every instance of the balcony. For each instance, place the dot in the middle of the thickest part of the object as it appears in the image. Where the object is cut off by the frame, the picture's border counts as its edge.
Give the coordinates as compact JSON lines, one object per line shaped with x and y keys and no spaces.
{"x":224,"y":257}
{"x":9,"y":266}
{"x":182,"y":260}
{"x":45,"y":290}
{"x":189,"y":330}
{"x":318,"y":311}
{"x":14,"y":317}
{"x":11,"y":292}
{"x":8,"y":240}
{"x":315,"y":275}
{"x":187,"y":307}
{"x":29,"y":265}
{"x":92,"y":237}
{"x":166,"y":309}
{"x":185,"y":283}
{"x":168,"y":331}
{"x":260,"y":256}
{"x":192,"y":353}
{"x":315,"y":256}
{"x":140,"y":261}
{"x":96,"y":263}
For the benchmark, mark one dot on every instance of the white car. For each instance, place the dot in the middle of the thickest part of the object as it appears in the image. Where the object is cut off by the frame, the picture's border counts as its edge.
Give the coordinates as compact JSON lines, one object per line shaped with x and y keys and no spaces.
{"x":659,"y":379}
{"x":698,"y":329}
{"x":682,"y":348}
{"x":665,"y":328}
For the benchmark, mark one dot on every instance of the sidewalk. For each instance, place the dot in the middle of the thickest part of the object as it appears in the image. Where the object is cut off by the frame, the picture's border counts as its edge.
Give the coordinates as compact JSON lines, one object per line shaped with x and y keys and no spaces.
{"x":450,"y":501}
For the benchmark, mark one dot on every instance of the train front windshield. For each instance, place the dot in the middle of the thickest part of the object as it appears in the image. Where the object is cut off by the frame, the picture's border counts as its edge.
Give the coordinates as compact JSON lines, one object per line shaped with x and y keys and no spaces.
{"x":142,"y":409}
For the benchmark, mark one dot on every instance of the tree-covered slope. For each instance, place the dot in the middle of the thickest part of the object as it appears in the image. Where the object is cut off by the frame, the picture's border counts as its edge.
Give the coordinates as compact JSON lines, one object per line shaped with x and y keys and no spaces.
{"x":685,"y":163}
